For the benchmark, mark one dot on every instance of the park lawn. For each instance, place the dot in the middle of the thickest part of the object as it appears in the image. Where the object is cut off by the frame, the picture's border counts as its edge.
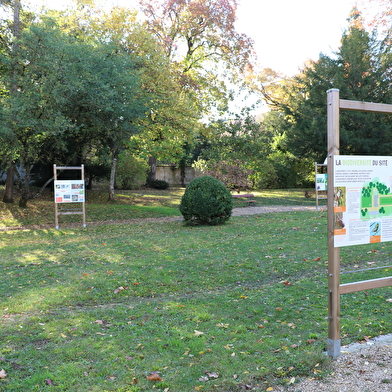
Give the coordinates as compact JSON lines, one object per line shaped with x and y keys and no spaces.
{"x":145,"y":203}
{"x":222,"y":308}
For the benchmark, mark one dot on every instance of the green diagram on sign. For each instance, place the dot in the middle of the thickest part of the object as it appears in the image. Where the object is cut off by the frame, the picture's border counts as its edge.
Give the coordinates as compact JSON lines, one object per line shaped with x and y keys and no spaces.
{"x":376,"y":200}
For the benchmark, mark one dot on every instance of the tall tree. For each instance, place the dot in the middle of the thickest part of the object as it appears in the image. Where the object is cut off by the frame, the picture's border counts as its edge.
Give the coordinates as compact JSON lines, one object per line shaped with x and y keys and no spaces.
{"x":200,"y":38}
{"x":8,"y":196}
{"x":361,"y":70}
{"x":171,"y":115}
{"x":209,"y":56}
{"x":70,"y":93}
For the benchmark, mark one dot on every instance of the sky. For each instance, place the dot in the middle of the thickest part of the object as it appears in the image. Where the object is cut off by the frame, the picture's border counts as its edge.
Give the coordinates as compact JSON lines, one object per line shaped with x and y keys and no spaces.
{"x":289,"y":32}
{"x":286,"y":32}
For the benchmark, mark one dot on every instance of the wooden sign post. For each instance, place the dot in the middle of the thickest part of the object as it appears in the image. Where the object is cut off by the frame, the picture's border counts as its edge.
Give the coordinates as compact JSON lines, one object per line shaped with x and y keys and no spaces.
{"x":68,"y":192}
{"x":334,"y":286}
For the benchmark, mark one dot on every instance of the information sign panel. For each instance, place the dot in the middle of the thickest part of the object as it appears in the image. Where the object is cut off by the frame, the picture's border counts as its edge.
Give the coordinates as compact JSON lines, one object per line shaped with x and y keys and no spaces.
{"x":322,"y":181}
{"x":69,"y":191}
{"x":362,"y":200}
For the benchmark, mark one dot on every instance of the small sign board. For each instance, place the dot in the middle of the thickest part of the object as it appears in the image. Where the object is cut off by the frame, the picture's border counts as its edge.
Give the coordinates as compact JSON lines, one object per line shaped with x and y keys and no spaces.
{"x":322,"y":181}
{"x":69,"y":191}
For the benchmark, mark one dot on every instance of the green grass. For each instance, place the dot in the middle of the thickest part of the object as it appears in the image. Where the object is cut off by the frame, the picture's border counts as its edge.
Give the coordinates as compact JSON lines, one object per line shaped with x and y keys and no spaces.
{"x":129,"y":205}
{"x":208,"y":308}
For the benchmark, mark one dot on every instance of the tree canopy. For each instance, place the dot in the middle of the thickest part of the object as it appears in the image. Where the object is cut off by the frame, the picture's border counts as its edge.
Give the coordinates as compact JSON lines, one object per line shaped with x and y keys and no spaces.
{"x":361,"y":70}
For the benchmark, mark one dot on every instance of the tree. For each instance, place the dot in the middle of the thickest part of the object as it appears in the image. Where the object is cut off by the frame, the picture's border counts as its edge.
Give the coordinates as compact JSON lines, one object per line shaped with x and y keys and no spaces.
{"x":70,"y":94}
{"x":172,"y":117}
{"x":361,"y":71}
{"x":237,"y":151}
{"x":8,"y":196}
{"x":207,"y":54}
{"x":200,"y":38}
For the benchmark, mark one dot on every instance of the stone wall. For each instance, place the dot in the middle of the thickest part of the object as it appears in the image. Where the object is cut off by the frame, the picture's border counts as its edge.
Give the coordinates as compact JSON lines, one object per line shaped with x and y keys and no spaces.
{"x":172,"y":174}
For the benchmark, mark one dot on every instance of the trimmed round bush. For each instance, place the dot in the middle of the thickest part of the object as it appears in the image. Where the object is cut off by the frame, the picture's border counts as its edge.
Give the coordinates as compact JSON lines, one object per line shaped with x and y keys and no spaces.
{"x":206,"y":201}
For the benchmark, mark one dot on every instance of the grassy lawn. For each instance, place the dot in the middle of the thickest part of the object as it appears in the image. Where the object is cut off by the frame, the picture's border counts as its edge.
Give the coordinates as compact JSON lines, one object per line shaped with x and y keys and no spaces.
{"x":129,"y":205}
{"x":145,"y":306}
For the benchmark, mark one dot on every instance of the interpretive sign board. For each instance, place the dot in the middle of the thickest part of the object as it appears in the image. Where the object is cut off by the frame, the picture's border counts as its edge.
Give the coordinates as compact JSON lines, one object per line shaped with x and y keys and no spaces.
{"x":69,"y":191}
{"x":322,"y":181}
{"x":362,"y":200}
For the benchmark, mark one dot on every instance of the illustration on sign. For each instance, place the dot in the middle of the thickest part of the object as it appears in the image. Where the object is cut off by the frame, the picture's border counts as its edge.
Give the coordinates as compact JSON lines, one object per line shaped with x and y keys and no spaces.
{"x":69,"y":191}
{"x":362,"y":200}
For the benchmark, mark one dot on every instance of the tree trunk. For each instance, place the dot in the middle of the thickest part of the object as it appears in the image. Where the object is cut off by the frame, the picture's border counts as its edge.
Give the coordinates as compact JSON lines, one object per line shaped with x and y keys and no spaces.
{"x":9,"y":186}
{"x":152,"y":162}
{"x":112,"y":179}
{"x":183,"y":172}
{"x":24,"y":182}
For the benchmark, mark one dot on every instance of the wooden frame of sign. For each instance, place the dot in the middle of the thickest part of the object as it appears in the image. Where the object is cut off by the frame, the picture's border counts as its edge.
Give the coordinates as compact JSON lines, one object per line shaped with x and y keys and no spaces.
{"x":334,"y":104}
{"x":73,"y":192}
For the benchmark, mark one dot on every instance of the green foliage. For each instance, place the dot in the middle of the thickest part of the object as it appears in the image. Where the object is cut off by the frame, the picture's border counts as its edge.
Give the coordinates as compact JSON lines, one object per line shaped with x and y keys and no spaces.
{"x":360,"y":69}
{"x":236,"y":151}
{"x":265,"y":176}
{"x":158,"y":184}
{"x":290,"y":171}
{"x":131,"y":171}
{"x":207,"y":201}
{"x":72,"y":96}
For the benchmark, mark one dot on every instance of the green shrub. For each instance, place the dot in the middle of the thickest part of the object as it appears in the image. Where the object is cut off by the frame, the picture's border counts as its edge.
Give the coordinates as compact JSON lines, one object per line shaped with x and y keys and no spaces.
{"x":131,"y":171}
{"x":158,"y":184}
{"x":207,"y":201}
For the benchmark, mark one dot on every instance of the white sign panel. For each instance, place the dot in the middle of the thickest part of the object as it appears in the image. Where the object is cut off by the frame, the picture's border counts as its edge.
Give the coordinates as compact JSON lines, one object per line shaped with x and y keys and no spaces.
{"x":321,"y":182}
{"x":69,"y":191}
{"x":362,"y":200}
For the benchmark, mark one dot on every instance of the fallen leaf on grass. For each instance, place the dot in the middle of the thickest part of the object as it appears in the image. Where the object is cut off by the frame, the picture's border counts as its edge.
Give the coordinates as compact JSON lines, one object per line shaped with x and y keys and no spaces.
{"x":291,"y":381}
{"x":310,"y":341}
{"x":389,"y":300}
{"x":197,"y":333}
{"x":317,"y":259}
{"x":121,"y":288}
{"x":212,"y":374}
{"x":48,"y":381}
{"x":3,"y":374}
{"x":154,"y":377}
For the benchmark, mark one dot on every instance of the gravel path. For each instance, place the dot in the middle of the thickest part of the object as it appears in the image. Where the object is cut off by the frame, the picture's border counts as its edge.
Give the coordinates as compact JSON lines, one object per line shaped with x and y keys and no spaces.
{"x":267,"y":209}
{"x":360,"y":368}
